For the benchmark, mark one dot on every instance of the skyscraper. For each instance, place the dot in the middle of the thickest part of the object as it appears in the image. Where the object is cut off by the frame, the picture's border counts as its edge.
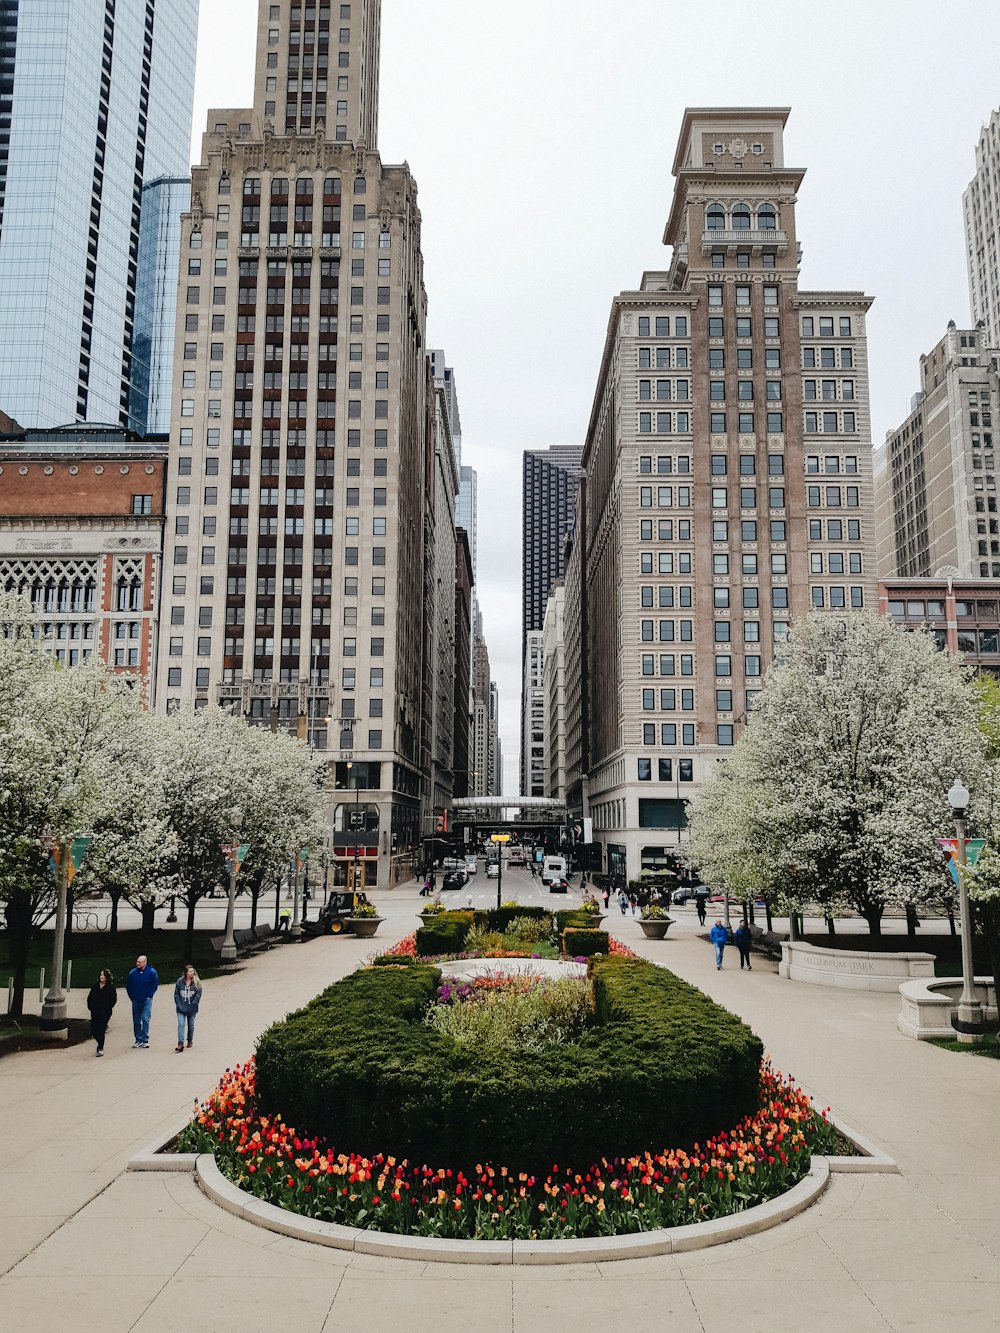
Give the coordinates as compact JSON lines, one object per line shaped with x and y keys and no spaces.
{"x":550,"y":481}
{"x":163,"y":202}
{"x":935,"y":476}
{"x":728,"y":480}
{"x":302,"y":446}
{"x":95,"y":100}
{"x":981,"y":206}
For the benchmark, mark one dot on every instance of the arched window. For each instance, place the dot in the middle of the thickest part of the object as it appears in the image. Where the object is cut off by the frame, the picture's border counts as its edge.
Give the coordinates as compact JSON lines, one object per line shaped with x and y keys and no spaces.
{"x":741,"y":218}
{"x":715,"y":218}
{"x":135,"y":595}
{"x":251,"y":185}
{"x":121,"y":599}
{"x":766,"y":218}
{"x":91,"y":595}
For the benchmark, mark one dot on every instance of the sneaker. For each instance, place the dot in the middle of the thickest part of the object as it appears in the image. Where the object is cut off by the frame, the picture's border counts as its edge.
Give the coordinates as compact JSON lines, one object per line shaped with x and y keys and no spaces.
{"x":137,"y":1045}
{"x":100,"y":1050}
{"x":144,"y":1046}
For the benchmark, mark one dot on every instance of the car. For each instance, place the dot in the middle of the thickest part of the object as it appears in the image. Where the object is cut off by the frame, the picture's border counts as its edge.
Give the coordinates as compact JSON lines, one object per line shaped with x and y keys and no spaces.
{"x":454,"y":879}
{"x":691,"y":892}
{"x":471,"y":865}
{"x":559,"y":885}
{"x":492,"y":870}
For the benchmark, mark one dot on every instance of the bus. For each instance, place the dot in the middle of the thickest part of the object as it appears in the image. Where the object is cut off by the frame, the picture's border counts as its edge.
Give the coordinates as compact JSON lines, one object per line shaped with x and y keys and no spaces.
{"x":553,"y":867}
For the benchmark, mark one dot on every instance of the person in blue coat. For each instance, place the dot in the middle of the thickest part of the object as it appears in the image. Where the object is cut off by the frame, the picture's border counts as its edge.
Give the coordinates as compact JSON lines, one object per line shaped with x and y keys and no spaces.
{"x":141,"y":985}
{"x":719,"y":936}
{"x":743,"y":940}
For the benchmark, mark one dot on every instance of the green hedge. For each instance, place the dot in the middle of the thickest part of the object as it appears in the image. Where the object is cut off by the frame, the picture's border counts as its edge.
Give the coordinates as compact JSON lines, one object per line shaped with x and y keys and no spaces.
{"x":572,"y":917}
{"x":583,"y":943}
{"x":444,"y":933}
{"x":661,"y":1064}
{"x":499,"y":918}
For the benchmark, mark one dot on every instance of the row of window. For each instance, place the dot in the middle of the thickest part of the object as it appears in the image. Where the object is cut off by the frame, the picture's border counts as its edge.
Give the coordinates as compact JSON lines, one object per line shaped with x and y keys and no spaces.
{"x":748,"y":500}
{"x":740,"y":218}
{"x":742,"y":293}
{"x":744,"y":326}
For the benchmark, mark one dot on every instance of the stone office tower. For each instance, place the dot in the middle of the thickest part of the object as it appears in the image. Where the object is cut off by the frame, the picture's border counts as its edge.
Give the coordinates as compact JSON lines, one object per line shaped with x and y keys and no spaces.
{"x":981,"y":210}
{"x":298,"y":452}
{"x":728,"y":480}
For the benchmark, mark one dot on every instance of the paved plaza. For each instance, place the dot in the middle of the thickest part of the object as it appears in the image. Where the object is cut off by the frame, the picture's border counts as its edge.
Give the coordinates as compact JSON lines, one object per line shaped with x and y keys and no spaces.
{"x":85,"y":1244}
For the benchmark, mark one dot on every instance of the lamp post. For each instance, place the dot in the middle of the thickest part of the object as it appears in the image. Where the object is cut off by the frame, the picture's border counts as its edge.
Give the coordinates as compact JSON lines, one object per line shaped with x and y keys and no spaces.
{"x":295,"y":930}
{"x":66,"y":853}
{"x":355,"y":824}
{"x":969,"y":1023}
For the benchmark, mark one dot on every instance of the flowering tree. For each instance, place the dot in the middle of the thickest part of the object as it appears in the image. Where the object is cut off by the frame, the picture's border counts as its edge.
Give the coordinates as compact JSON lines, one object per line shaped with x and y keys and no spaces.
{"x":64,"y":735}
{"x":836,"y":791}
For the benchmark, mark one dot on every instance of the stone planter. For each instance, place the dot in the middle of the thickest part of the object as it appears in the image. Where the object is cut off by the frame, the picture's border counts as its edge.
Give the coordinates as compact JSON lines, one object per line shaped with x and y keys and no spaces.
{"x":852,"y":969}
{"x":656,"y":928}
{"x":364,"y":926}
{"x":594,"y":922}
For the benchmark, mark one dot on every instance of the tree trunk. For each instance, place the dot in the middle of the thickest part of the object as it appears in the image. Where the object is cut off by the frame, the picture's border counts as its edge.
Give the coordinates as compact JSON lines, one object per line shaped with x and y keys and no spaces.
{"x":911,"y":920}
{"x":830,"y":928}
{"x":873,"y":915}
{"x":767,"y":915}
{"x":113,"y":919}
{"x":256,"y":889}
{"x":19,"y":939}
{"x":277,"y":902}
{"x":191,"y":903}
{"x":148,"y":913}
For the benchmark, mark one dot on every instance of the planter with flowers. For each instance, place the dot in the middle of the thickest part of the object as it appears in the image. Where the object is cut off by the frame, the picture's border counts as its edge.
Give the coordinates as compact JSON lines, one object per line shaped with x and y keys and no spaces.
{"x":654,"y":922}
{"x":364,"y":921}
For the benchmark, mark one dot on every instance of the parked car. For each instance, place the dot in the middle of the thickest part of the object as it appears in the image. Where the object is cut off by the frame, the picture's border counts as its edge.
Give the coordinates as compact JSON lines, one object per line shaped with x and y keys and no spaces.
{"x":492,"y":870}
{"x":559,"y":885}
{"x":454,"y":879}
{"x":690,"y":893}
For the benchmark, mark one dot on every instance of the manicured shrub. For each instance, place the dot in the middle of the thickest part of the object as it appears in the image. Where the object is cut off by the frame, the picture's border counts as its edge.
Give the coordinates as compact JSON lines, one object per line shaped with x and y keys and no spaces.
{"x":499,"y":918}
{"x":659,"y":1063}
{"x":581,"y":943}
{"x":572,"y":916}
{"x":444,"y":933}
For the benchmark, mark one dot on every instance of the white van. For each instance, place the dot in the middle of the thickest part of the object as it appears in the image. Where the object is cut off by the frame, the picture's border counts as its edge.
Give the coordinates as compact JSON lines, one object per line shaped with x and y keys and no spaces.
{"x":553,"y":867}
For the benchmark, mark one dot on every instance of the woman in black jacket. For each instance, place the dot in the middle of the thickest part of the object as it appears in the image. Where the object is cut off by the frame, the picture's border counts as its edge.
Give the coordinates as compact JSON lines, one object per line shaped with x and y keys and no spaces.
{"x":101,"y":1000}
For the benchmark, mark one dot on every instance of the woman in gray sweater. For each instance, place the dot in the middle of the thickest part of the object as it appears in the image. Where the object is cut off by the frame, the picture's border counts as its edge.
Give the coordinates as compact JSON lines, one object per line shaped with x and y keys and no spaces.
{"x":187,"y":998}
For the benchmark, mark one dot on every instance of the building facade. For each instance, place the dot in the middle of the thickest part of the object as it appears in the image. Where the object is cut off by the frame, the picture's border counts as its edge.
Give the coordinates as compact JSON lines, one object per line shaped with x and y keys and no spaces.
{"x":981,"y":208}
{"x":576,"y":666}
{"x":550,"y":478}
{"x":554,"y":683}
{"x":936,"y":475}
{"x":463,"y":742}
{"x":96,"y":101}
{"x":81,"y":534}
{"x":163,"y":202}
{"x":729,"y":489}
{"x":962,"y":614}
{"x":300,"y":457}
{"x":533,"y":762}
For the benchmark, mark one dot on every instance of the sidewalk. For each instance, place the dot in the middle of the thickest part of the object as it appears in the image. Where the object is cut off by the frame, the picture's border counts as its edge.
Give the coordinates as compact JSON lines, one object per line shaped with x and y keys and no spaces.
{"x":109,"y":1251}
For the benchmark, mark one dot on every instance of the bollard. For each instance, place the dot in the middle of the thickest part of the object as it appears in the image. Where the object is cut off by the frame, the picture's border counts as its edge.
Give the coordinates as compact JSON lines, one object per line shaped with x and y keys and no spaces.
{"x":41,"y":985}
{"x":69,"y":975}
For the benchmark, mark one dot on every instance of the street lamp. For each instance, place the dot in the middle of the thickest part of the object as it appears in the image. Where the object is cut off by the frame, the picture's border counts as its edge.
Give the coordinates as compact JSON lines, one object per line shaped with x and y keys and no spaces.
{"x":66,"y":856}
{"x":969,"y":1023}
{"x":228,"y":951}
{"x":355,"y":821}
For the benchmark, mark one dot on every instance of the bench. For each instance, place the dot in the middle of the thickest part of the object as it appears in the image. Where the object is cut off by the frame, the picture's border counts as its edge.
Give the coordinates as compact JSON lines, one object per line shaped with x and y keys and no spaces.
{"x":245,"y":940}
{"x":265,"y":935}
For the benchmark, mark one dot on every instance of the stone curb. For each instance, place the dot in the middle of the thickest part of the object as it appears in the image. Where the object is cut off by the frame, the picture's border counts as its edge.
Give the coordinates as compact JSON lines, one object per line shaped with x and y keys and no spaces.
{"x":153,"y":1157}
{"x":870,"y":1159}
{"x":597,"y":1249}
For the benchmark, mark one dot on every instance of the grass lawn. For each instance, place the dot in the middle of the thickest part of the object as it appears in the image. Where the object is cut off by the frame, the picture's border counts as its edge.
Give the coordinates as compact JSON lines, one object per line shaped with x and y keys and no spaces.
{"x":91,"y":950}
{"x":988,"y":1047}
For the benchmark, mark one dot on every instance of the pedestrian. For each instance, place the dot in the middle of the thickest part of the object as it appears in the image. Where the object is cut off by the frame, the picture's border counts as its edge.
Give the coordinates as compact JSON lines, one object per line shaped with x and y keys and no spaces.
{"x":102,"y":999}
{"x":743,"y":939}
{"x":425,"y":892}
{"x":719,"y":936}
{"x":699,"y":907}
{"x":607,"y":897}
{"x":141,"y":984}
{"x":187,"y":998}
{"x":622,"y":901}
{"x":285,"y":920}
{"x":632,"y":902}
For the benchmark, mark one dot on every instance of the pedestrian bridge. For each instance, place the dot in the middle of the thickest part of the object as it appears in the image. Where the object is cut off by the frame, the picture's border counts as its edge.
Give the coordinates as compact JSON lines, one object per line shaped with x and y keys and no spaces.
{"x":508,"y":810}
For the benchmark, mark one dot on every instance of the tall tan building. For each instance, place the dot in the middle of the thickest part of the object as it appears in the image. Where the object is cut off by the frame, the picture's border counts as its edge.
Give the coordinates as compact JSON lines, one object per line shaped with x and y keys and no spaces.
{"x":981,"y":208}
{"x":728,"y":473}
{"x":298,"y":458}
{"x":935,"y":476}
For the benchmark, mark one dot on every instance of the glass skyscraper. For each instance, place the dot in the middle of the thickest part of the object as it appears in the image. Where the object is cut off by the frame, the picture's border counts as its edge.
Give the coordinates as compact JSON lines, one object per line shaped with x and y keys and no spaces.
{"x":95,"y":100}
{"x":163,"y":201}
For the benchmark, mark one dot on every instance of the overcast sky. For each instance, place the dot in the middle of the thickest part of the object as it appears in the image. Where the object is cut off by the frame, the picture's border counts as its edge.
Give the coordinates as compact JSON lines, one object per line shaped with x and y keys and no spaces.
{"x":541,"y":134}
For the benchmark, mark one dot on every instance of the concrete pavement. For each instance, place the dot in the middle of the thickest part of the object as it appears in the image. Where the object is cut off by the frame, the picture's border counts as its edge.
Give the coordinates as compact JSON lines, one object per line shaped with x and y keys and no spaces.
{"x":81,"y":1241}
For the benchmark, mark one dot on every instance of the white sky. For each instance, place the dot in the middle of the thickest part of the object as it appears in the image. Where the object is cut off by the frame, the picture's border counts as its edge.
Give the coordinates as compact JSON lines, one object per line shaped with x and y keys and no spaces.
{"x":541,"y":134}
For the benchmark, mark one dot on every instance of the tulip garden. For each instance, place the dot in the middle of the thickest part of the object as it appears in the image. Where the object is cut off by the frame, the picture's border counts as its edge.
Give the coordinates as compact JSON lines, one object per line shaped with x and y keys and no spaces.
{"x":510,"y":1106}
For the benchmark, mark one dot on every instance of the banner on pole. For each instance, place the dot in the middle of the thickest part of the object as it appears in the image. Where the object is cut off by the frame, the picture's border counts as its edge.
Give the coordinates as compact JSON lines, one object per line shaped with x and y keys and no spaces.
{"x":973,"y":848}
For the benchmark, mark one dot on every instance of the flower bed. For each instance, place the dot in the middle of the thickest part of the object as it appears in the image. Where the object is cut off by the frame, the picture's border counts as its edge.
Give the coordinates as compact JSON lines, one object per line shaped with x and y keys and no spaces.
{"x":510,"y":1012}
{"x":762,"y":1157}
{"x":407,"y":948}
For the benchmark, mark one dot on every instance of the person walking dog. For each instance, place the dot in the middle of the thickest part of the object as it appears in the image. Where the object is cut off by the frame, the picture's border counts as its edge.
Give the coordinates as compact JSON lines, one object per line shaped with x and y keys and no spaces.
{"x":141,"y":985}
{"x":187,"y":998}
{"x":743,"y":940}
{"x":102,"y":999}
{"x":719,"y":936}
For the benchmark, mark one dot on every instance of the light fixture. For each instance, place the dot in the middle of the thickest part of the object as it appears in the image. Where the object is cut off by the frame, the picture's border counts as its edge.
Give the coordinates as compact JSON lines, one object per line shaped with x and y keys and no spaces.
{"x":958,"y":796}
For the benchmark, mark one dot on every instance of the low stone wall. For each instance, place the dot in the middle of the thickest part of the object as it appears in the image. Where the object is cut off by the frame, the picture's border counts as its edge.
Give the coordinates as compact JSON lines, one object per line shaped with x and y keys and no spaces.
{"x":926,"y":1008}
{"x":851,"y":970}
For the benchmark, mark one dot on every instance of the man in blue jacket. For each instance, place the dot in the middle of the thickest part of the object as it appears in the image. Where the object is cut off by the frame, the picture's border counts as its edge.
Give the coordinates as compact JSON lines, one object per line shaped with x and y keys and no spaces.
{"x":719,"y":936}
{"x":141,"y":985}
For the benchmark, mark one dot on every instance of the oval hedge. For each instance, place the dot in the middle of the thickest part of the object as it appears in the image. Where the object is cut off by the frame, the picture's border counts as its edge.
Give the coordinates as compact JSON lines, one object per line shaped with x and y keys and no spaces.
{"x":660,"y":1064}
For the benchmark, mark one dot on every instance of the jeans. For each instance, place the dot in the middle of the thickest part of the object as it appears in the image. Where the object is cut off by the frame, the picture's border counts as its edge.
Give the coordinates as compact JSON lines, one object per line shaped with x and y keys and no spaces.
{"x":141,"y":1012}
{"x":185,"y":1020}
{"x":718,"y":954}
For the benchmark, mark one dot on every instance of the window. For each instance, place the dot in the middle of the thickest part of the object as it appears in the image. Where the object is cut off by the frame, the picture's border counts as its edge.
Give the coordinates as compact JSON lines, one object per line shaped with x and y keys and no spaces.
{"x":717,"y":423}
{"x":645,"y":770}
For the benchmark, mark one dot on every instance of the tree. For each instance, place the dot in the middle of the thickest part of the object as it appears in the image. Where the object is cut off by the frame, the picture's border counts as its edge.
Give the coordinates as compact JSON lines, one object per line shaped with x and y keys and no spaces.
{"x":64,"y":735}
{"x":836,"y":791}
